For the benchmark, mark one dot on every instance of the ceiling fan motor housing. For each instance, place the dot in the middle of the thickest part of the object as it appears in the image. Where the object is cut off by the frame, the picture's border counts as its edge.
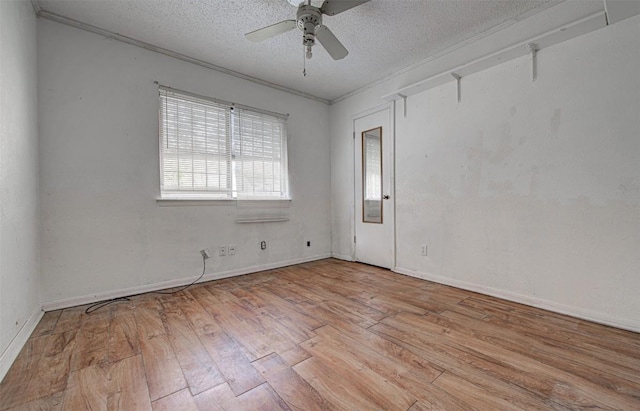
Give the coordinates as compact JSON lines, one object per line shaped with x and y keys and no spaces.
{"x":307,"y":19}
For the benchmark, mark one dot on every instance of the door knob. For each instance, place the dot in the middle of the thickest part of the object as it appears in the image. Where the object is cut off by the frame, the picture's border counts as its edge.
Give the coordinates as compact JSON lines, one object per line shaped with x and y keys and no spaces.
{"x":386,"y":196}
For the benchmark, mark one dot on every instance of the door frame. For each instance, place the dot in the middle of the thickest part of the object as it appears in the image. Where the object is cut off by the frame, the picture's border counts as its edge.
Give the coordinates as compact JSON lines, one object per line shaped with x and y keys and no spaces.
{"x":391,"y":106}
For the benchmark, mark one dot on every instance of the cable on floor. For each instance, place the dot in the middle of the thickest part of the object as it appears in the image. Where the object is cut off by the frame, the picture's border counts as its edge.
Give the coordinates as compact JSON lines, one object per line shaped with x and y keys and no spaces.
{"x":100,"y":304}
{"x":204,"y":267}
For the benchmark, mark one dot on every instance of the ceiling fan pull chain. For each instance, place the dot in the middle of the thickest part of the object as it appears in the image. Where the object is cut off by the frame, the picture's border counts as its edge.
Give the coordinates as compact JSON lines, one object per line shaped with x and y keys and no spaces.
{"x":304,"y":62}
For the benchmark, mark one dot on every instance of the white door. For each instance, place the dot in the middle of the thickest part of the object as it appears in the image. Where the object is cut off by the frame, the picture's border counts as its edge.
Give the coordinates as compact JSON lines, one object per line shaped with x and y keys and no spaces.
{"x":374,"y":200}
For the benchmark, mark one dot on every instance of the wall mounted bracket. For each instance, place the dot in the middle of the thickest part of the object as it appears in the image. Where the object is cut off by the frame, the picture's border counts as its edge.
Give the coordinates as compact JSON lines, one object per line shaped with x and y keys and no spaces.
{"x":533,"y":51}
{"x":404,"y":104}
{"x":458,"y":78}
{"x":541,"y":41}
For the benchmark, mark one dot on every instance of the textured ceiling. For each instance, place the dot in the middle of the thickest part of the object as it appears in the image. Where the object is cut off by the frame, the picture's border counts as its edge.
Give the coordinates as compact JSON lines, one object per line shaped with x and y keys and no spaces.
{"x":382,"y":36}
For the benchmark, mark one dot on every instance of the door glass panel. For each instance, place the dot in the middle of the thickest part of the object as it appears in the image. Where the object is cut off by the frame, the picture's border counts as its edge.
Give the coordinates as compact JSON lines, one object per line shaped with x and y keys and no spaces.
{"x":372,"y":176}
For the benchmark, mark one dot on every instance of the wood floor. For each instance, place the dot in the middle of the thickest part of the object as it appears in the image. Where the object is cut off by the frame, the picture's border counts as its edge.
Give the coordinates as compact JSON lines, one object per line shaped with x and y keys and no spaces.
{"x":322,"y":336}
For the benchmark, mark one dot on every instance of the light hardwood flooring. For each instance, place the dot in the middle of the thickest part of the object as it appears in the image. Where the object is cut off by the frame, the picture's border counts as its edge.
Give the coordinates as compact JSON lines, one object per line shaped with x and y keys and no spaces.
{"x":322,"y":336}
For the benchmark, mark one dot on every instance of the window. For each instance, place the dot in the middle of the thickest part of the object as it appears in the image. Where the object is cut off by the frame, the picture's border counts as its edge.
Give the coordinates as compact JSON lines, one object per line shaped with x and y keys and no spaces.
{"x":215,"y":150}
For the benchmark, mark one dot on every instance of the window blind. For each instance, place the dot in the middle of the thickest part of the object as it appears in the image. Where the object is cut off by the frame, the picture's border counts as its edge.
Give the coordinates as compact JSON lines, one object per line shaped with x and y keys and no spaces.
{"x":212,"y":150}
{"x":258,"y":155}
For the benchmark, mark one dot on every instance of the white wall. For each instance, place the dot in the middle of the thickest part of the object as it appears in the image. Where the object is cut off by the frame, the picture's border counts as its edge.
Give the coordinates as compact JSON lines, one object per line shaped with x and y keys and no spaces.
{"x":529,"y":191}
{"x":103,"y":230}
{"x":19,"y":222}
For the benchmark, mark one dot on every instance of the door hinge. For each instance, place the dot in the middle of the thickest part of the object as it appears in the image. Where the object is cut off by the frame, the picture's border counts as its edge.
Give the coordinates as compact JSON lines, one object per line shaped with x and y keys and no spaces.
{"x":354,"y":238}
{"x":354,"y":135}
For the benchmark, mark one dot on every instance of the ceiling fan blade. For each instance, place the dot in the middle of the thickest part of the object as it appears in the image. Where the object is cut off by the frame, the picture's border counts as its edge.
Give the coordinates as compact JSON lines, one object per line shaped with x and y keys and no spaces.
{"x":271,"y":31}
{"x":333,"y":7}
{"x":331,"y":43}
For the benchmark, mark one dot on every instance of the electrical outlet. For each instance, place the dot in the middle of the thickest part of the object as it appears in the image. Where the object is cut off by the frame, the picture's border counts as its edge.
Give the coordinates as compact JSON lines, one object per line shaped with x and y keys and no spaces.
{"x":263,"y":245}
{"x":232,"y":250}
{"x":205,"y":253}
{"x":423,"y":250}
{"x":222,"y":251}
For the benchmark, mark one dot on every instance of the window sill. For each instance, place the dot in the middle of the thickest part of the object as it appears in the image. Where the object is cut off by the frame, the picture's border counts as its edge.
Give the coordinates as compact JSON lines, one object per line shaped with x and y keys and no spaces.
{"x":172,"y":202}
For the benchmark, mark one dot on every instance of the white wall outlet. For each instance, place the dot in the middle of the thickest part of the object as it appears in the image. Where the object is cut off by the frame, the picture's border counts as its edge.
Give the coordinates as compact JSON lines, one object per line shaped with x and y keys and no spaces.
{"x":222,"y":251}
{"x":232,"y":250}
{"x":423,"y":250}
{"x":205,"y":253}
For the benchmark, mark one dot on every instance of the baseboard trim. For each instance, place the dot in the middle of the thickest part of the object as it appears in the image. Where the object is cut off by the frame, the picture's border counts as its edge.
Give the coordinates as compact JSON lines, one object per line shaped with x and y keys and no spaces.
{"x":125,"y":292}
{"x":342,"y":257}
{"x":9,"y":355}
{"x":576,"y":312}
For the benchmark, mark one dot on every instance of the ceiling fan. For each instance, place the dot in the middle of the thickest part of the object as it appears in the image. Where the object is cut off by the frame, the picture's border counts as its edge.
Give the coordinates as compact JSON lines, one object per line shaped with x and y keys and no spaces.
{"x":309,"y":20}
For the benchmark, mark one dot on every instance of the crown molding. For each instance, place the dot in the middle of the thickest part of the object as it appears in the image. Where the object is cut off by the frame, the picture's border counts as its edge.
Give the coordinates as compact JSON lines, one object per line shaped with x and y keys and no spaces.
{"x":47,"y":15}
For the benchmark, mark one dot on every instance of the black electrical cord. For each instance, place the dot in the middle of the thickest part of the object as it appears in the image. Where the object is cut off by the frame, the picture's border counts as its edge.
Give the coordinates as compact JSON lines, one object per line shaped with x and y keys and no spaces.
{"x":100,"y":304}
{"x":204,"y":267}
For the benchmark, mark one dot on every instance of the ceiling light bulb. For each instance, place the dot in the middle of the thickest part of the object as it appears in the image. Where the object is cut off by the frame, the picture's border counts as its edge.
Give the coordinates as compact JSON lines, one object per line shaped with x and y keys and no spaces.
{"x":309,"y":54}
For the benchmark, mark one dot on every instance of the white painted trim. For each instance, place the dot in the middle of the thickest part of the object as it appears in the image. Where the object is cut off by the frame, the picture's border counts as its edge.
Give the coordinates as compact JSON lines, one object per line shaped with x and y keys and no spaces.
{"x":186,"y":201}
{"x":553,"y":37}
{"x":342,"y":257}
{"x":181,"y":202}
{"x":581,"y":313}
{"x":87,"y":299}
{"x":619,"y":10}
{"x":390,"y":107}
{"x":447,"y":51}
{"x":387,"y":105}
{"x":9,"y":355}
{"x":372,"y":110}
{"x":392,"y":119}
{"x":152,"y":47}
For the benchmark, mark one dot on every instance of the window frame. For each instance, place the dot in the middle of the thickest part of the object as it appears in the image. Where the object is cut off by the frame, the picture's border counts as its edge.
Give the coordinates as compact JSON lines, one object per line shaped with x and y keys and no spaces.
{"x":230,"y":194}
